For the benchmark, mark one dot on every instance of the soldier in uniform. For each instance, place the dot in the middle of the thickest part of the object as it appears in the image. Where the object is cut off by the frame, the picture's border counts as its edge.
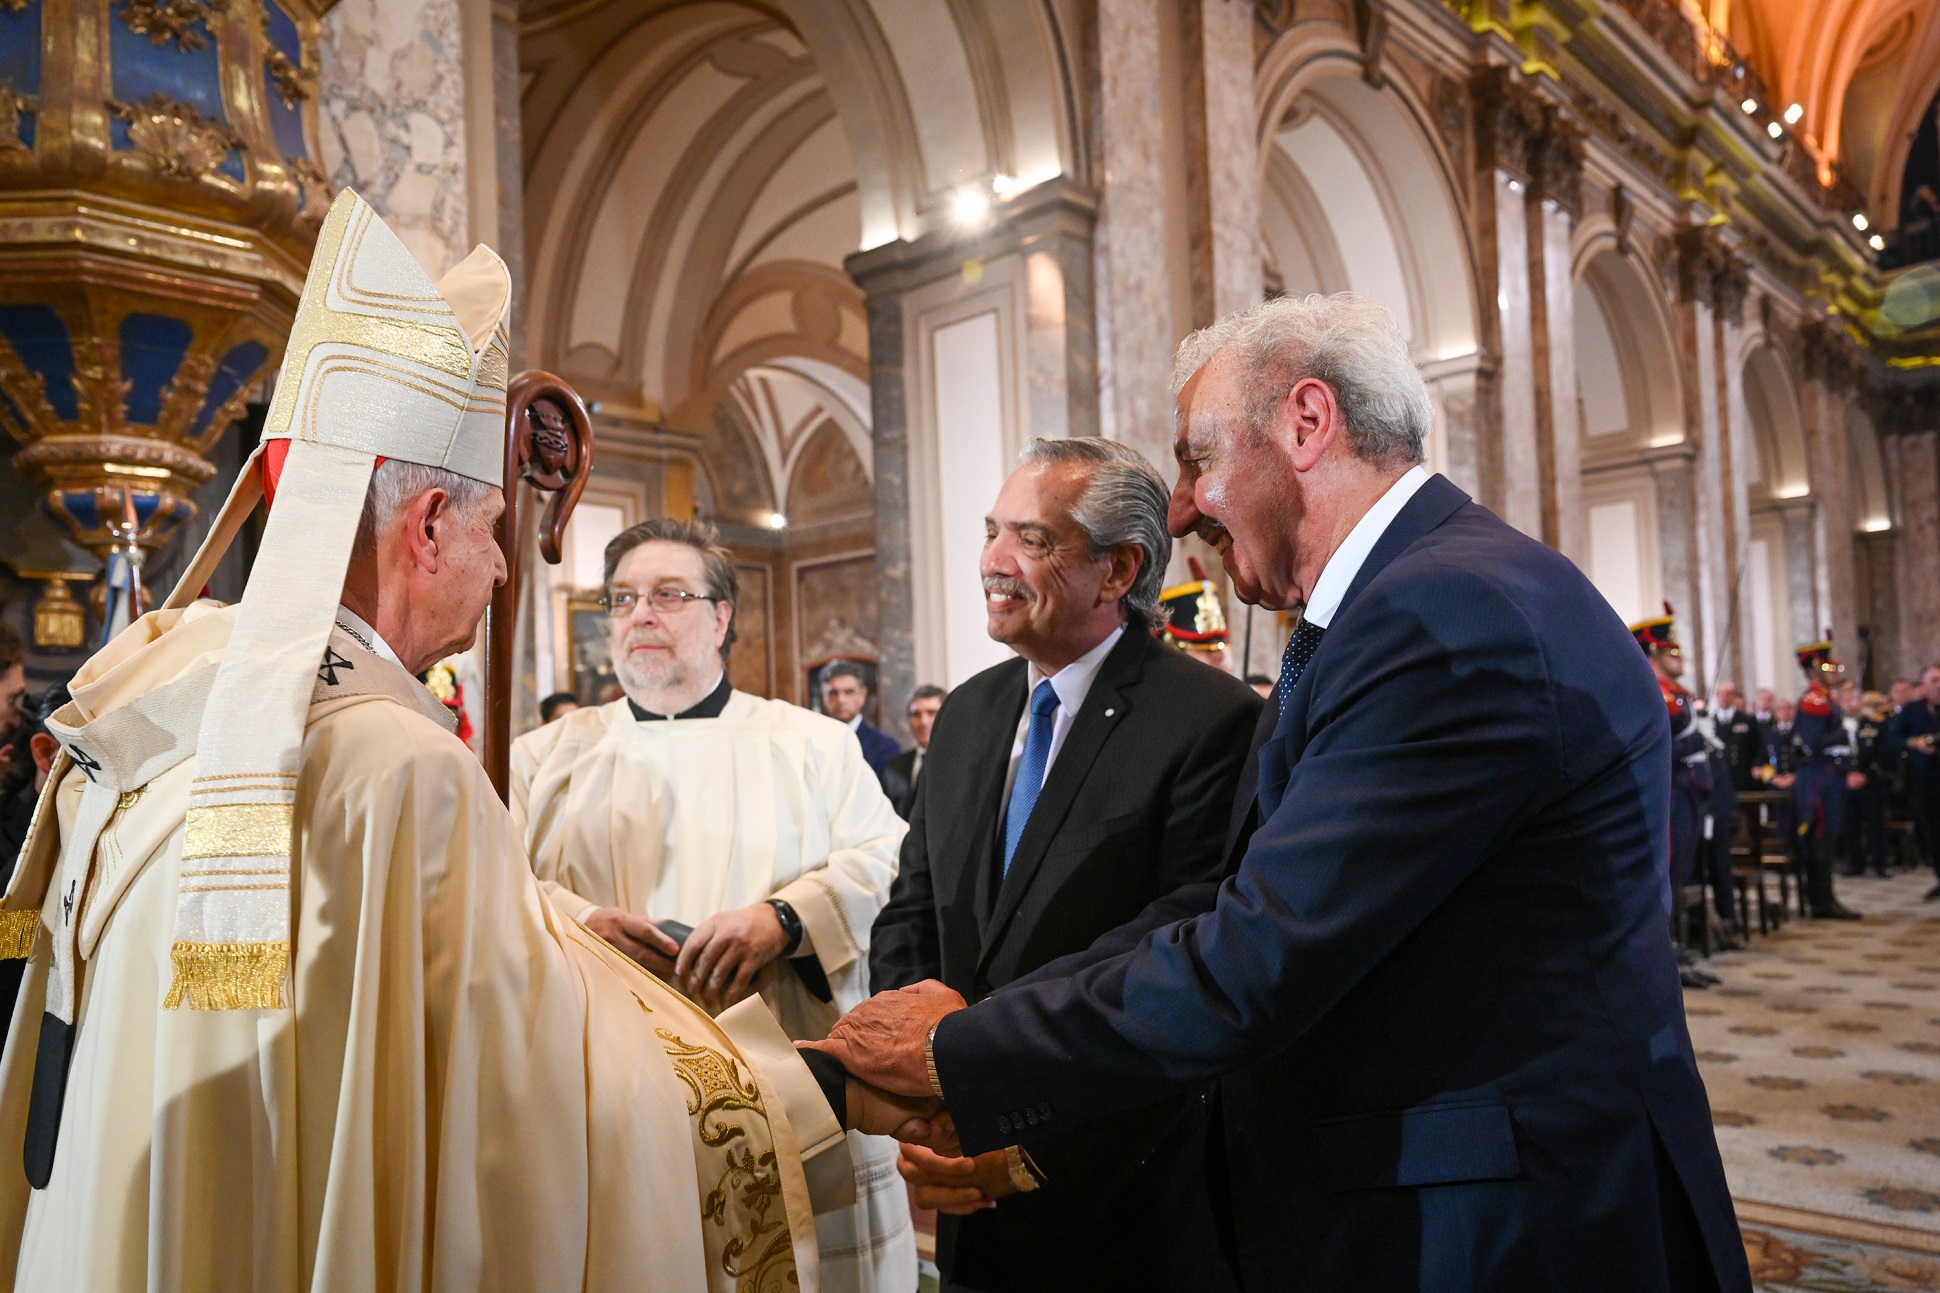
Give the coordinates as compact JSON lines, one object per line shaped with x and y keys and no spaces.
{"x":1195,"y":620}
{"x":1817,"y":768}
{"x":1875,"y":763}
{"x":1690,"y":767}
{"x":1743,"y":737}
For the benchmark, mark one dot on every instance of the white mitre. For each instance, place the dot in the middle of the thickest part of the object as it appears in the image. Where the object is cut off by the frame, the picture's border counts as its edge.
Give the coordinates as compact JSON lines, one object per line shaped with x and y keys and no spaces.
{"x":382,"y":363}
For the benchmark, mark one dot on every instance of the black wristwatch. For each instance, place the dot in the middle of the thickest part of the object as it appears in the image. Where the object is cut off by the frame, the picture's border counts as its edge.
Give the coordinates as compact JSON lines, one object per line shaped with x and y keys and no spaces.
{"x":791,"y":925}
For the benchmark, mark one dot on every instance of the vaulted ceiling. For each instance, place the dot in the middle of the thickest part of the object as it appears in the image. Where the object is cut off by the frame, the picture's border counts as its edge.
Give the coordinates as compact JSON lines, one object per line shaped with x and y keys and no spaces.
{"x":1863,"y":73}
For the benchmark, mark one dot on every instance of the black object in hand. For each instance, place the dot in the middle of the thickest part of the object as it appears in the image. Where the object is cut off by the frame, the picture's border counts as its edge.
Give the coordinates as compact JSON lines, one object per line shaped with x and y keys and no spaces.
{"x":675,"y":930}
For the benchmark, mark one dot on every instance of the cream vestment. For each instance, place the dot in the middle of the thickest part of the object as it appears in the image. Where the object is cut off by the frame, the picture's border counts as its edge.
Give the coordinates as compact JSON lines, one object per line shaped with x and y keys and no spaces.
{"x":468,"y":1090}
{"x":688,"y":817}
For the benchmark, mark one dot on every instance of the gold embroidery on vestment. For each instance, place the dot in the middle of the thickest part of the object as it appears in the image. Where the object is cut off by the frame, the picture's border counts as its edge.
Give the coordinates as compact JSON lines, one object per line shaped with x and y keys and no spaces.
{"x":238,"y":831}
{"x":745,"y":1200}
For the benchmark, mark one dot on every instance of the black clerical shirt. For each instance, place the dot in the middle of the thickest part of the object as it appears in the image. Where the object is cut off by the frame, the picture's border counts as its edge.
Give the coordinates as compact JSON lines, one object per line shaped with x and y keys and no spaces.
{"x":709,"y":706}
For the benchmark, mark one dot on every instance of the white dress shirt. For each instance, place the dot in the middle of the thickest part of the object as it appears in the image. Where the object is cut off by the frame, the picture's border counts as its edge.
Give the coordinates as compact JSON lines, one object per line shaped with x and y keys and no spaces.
{"x":1072,"y":684}
{"x":353,"y":623}
{"x":1338,"y":574}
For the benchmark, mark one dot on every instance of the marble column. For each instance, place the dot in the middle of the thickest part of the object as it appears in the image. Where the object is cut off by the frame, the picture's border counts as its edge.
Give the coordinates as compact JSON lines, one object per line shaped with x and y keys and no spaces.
{"x":1914,"y":470}
{"x":392,"y":119}
{"x":1556,"y":158}
{"x":1136,"y":330}
{"x":1529,"y":164}
{"x":1831,"y":367}
{"x":1675,"y":474}
{"x":1223,"y":163}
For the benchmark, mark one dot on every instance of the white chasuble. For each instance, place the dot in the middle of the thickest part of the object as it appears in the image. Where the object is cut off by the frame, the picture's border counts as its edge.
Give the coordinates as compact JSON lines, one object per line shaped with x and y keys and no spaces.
{"x":465,"y":1091}
{"x":683,"y":818}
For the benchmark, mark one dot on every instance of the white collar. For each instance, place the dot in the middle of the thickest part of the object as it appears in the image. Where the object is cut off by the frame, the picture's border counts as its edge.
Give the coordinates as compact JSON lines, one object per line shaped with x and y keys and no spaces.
{"x":854,"y":724}
{"x":1347,"y":560}
{"x":354,"y":624}
{"x":1073,"y":682}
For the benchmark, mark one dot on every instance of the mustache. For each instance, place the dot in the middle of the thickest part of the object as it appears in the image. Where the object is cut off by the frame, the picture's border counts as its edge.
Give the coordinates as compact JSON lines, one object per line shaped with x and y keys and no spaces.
{"x":1006,"y":587}
{"x":640,"y":637}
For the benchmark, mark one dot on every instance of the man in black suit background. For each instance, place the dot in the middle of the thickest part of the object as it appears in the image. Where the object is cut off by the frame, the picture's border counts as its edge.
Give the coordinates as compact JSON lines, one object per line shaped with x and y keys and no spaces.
{"x":1062,"y":793}
{"x":1438,"y":994}
{"x":845,"y":694}
{"x":899,"y":777}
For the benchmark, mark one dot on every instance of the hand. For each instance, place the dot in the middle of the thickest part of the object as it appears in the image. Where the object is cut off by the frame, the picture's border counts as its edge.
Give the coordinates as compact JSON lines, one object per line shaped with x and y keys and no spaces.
{"x":1855,"y":781}
{"x":1924,"y":744}
{"x":724,"y":953}
{"x":958,"y":1186}
{"x":882,"y":1041}
{"x":874,"y":1112}
{"x":637,"y":936}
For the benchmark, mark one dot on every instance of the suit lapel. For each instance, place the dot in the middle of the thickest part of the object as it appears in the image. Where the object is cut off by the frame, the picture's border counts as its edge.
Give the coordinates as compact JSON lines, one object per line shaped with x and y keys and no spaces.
{"x":1089,"y":732}
{"x":1437,"y":500}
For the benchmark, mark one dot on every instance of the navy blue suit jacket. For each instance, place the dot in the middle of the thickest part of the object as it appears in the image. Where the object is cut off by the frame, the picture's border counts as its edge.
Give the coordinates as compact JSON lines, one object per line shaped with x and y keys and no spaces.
{"x":1438,"y":991}
{"x":878,"y":748}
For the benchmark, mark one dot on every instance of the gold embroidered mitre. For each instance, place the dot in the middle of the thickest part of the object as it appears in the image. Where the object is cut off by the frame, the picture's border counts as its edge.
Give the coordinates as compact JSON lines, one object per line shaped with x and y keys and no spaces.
{"x":382,"y":363}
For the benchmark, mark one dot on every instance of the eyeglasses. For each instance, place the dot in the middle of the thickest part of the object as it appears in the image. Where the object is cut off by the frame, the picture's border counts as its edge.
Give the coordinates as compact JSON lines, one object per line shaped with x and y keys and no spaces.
{"x":666,"y":599}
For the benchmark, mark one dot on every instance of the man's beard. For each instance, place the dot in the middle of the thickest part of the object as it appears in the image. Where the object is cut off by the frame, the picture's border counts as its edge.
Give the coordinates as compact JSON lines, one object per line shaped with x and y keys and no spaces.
{"x":644,"y":676}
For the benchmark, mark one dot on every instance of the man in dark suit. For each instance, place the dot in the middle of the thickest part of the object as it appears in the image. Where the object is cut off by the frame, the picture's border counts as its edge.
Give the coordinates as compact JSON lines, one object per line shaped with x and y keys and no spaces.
{"x":1063,"y":792}
{"x":1914,"y":734}
{"x":1438,"y":994}
{"x":899,"y":778}
{"x":845,"y":694}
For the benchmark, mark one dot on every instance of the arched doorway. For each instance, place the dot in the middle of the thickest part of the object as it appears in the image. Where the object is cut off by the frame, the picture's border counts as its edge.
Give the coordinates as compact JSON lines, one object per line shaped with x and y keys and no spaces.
{"x":1634,"y":451}
{"x":1780,"y":599}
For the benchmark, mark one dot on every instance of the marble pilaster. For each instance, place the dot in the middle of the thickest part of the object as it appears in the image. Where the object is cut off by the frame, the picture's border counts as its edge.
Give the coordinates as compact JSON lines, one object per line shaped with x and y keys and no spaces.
{"x":392,"y":118}
{"x":1132,"y":281}
{"x":1914,"y":469}
{"x":1831,"y":370}
{"x":1028,"y":277}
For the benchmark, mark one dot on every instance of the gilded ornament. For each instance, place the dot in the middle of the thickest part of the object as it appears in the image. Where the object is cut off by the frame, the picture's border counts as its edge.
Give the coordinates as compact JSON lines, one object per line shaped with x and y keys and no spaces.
{"x":11,"y":106}
{"x":175,"y":138}
{"x":60,"y":622}
{"x":289,"y":78}
{"x":165,"y":20}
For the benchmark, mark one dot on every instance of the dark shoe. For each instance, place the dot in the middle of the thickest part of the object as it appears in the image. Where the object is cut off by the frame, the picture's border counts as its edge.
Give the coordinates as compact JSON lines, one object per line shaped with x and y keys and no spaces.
{"x":1933,"y":893}
{"x":1834,"y":911}
{"x":1693,"y":979}
{"x":1852,"y":873}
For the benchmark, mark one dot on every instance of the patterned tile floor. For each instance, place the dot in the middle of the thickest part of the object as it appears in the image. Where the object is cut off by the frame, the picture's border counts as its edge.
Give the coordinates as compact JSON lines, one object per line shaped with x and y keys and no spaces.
{"x":1821,"y":1054}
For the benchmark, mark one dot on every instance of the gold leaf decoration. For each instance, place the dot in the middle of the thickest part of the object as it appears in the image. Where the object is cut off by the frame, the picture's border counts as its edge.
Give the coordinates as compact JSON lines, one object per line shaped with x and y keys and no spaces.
{"x":174,"y":138}
{"x":290,"y":81}
{"x":11,"y":106}
{"x":163,"y":21}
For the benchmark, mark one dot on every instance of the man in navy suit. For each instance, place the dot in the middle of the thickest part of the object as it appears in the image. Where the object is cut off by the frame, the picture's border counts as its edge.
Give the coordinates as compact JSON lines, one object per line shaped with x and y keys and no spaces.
{"x":1438,"y":992}
{"x":845,"y":692}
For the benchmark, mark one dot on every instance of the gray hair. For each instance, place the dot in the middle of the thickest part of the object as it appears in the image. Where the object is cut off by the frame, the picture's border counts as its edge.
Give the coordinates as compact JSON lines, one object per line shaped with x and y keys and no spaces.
{"x":395,"y":483}
{"x":1124,"y":501}
{"x":717,"y":563}
{"x":1350,"y":342}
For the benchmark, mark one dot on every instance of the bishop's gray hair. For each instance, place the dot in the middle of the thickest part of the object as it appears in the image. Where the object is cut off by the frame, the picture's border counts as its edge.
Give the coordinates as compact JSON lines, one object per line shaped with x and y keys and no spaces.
{"x":1124,"y":501}
{"x":1349,"y":341}
{"x":395,"y":483}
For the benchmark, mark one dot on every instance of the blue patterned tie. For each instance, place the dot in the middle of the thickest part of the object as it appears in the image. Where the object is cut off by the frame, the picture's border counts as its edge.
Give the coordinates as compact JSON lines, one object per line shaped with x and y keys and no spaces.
{"x":1030,"y":768}
{"x":1300,"y":649}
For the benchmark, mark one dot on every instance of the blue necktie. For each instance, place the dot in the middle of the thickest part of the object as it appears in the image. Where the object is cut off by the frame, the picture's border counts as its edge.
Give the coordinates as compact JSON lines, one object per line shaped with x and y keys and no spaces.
{"x":1300,"y":649}
{"x":1030,"y":768}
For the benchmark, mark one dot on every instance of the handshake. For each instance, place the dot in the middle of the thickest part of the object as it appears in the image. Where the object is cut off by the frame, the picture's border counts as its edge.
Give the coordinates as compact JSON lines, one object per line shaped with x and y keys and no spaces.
{"x":884,"y":1045}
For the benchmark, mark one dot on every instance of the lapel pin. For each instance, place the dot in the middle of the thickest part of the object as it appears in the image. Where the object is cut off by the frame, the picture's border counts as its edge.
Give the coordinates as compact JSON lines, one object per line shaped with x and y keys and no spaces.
{"x":1110,"y":712}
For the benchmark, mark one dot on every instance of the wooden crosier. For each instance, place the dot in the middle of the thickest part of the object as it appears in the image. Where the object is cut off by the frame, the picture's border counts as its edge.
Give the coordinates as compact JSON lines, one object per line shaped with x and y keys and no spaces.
{"x":548,"y":445}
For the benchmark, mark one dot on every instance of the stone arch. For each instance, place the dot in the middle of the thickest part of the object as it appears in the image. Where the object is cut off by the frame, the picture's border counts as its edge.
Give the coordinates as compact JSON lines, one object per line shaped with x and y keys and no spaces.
{"x":1777,"y":429}
{"x":1383,"y":144}
{"x":1630,"y":380}
{"x":1630,"y":405}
